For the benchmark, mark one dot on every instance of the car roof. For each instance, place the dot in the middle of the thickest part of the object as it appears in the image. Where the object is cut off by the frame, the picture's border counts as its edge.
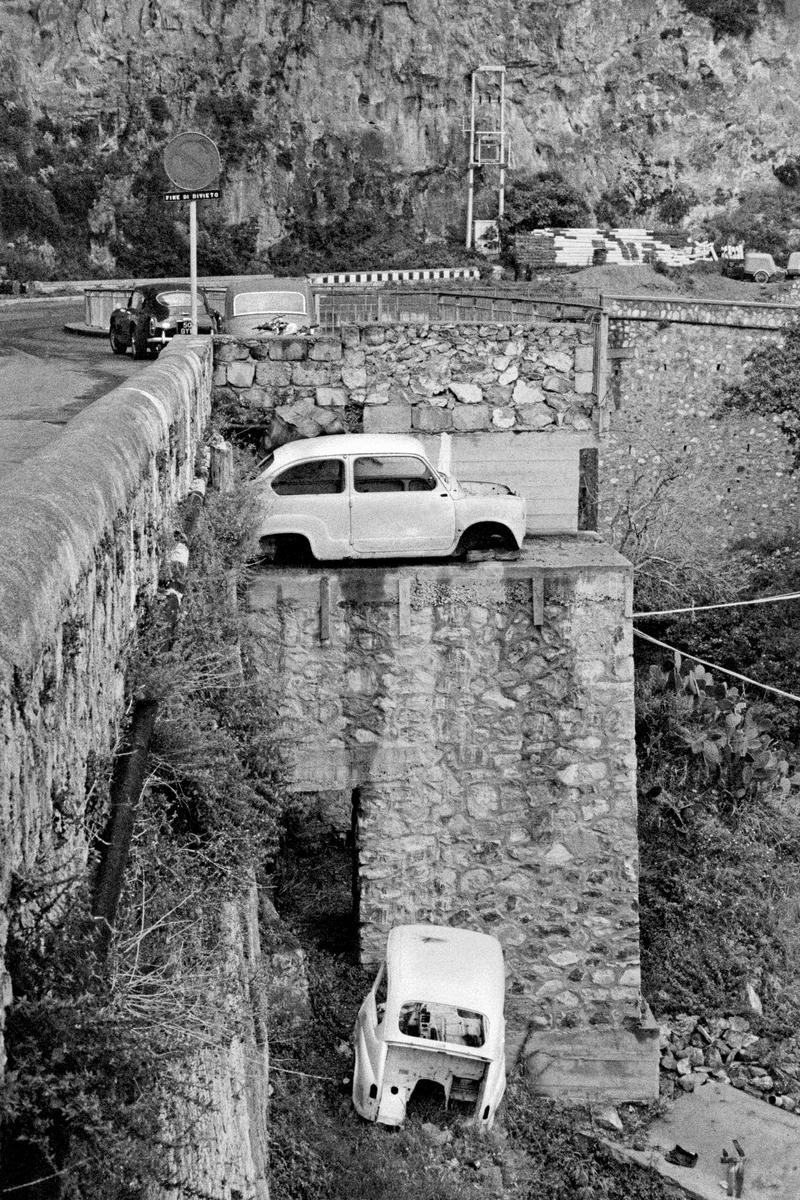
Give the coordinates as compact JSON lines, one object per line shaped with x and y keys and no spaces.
{"x":444,"y":965}
{"x":175,"y":285}
{"x":345,"y":443}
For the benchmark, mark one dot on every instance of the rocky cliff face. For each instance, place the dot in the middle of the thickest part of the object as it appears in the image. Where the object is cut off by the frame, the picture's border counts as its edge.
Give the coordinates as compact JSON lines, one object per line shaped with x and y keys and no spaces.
{"x":320,"y":105}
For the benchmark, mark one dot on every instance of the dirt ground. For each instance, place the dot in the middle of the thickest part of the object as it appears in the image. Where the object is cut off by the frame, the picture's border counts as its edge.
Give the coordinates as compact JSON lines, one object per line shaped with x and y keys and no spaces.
{"x":703,"y":281}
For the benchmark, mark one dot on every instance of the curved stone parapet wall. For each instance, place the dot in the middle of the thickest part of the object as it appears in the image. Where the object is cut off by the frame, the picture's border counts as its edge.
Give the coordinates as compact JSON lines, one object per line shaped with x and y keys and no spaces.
{"x":685,"y":310}
{"x":80,"y":541}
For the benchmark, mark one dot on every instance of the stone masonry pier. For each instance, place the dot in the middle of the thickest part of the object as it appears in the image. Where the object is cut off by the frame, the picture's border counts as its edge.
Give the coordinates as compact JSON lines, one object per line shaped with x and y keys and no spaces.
{"x":479,"y":720}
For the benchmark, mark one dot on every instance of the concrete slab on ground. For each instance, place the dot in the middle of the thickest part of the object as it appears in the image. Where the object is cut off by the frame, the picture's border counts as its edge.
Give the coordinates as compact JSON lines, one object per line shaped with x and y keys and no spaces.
{"x":705,"y":1122}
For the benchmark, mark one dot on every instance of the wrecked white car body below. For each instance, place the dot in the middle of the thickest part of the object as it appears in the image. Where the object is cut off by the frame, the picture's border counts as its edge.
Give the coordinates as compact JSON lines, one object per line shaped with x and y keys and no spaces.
{"x":434,"y":1013}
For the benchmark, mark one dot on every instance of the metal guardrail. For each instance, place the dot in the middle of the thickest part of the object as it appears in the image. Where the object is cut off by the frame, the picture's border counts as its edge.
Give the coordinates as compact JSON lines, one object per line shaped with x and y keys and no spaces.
{"x":448,"y":305}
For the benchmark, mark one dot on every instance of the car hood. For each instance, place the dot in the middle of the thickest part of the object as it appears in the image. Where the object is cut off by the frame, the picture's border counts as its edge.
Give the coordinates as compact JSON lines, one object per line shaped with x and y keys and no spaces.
{"x":478,"y":487}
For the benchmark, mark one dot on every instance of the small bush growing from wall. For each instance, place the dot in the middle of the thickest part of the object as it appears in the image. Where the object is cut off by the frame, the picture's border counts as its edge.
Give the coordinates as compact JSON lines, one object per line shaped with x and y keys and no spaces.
{"x":738,"y":18}
{"x":771,"y":386}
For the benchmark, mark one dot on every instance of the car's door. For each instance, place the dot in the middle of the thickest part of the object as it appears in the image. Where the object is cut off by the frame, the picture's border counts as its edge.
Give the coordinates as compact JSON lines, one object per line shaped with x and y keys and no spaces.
{"x":311,"y":499}
{"x":370,"y":1047}
{"x":400,"y":507}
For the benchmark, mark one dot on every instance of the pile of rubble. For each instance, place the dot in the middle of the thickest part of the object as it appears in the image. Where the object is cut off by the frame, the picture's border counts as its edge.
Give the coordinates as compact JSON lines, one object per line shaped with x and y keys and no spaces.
{"x":726,"y":1049}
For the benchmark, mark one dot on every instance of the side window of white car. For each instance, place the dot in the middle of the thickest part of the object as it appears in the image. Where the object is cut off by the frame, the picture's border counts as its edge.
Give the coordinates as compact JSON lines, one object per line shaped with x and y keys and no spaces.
{"x":393,"y":473}
{"x":319,"y":477}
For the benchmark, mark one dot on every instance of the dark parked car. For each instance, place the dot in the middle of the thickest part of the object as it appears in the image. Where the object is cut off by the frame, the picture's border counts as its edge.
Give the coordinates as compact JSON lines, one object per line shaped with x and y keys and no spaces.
{"x":154,"y":314}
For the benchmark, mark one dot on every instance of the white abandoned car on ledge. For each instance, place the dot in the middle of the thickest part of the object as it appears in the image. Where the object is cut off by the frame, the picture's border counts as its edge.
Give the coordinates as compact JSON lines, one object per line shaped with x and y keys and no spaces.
{"x":377,"y":496}
{"x":435,"y":1013}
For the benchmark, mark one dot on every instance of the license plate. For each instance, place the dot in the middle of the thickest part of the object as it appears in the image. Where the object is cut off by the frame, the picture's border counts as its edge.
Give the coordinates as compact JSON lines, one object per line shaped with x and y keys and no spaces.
{"x":186,"y":327}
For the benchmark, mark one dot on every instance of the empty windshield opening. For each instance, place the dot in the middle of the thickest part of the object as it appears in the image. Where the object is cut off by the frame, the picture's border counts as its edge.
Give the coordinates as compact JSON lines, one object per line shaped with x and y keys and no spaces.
{"x":442,"y":1023}
{"x":261,"y":303}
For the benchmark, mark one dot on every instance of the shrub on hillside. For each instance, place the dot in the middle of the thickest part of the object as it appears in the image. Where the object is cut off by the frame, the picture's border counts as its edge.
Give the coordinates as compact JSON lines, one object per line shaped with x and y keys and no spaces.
{"x":26,"y":206}
{"x":547,"y":198}
{"x":788,"y":172}
{"x":762,"y":219}
{"x":719,"y":834}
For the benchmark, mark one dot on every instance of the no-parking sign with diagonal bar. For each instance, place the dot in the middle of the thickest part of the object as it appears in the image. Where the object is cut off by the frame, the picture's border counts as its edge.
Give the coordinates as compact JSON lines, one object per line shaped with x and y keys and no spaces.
{"x":191,"y":161}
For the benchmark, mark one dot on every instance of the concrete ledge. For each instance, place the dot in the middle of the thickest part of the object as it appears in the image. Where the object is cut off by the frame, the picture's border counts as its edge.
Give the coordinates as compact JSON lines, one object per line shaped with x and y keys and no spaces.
{"x":598,"y":1063}
{"x":376,"y":580}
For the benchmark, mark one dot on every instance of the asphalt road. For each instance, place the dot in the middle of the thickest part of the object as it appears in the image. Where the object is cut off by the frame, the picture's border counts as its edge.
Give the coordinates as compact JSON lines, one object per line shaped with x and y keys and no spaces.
{"x":48,"y":375}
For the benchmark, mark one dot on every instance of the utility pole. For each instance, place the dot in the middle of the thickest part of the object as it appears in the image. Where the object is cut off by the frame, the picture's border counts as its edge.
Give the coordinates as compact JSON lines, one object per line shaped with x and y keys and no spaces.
{"x":489,"y":144}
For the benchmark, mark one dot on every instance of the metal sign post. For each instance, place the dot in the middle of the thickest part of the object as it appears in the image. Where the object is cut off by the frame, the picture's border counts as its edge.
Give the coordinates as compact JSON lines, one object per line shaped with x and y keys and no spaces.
{"x":193,"y":261}
{"x":191,"y":161}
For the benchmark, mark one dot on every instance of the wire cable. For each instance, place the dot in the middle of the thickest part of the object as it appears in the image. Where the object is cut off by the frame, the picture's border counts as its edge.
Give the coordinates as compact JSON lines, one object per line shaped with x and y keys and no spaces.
{"x":766,"y":687}
{"x":696,"y":608}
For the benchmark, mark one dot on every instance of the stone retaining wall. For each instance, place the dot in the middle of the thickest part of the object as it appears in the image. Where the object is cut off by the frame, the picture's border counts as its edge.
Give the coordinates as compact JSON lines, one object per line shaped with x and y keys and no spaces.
{"x":483,"y":717}
{"x":80,"y":527}
{"x":421,"y":378}
{"x":731,"y":472}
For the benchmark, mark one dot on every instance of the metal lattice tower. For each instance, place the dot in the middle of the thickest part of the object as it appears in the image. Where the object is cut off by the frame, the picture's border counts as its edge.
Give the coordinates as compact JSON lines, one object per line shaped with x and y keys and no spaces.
{"x":489,"y":144}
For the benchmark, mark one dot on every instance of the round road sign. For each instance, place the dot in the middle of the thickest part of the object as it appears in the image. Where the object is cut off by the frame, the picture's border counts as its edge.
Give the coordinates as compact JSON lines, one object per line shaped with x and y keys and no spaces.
{"x":191,"y":161}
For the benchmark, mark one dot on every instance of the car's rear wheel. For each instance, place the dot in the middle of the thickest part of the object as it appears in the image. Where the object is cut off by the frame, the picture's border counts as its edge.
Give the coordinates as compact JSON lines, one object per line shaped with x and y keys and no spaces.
{"x":286,"y":550}
{"x":487,"y":538}
{"x":761,"y":277}
{"x":140,"y":347}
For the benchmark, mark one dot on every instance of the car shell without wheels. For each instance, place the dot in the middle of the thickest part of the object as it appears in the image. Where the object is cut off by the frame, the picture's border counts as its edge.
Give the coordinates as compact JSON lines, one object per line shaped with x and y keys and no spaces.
{"x":154,"y":314}
{"x":434,"y":1013}
{"x":377,"y":496}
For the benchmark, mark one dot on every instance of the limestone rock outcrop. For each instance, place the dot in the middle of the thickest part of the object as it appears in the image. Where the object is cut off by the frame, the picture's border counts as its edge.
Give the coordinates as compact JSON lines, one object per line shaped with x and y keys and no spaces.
{"x":322,"y":105}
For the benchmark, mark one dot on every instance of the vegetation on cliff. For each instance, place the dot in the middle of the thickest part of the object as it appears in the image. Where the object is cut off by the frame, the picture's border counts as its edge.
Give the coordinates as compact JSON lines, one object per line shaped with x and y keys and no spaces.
{"x":769,"y":387}
{"x":324,"y":151}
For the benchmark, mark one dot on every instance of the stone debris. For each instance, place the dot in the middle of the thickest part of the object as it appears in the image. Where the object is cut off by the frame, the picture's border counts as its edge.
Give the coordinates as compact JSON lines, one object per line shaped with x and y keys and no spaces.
{"x":694,"y":1049}
{"x":609,"y":1118}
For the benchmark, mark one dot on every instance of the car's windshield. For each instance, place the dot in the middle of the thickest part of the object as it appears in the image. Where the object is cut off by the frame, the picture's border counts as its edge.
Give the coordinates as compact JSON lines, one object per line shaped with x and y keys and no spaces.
{"x":251,"y":303}
{"x":441,"y":1023}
